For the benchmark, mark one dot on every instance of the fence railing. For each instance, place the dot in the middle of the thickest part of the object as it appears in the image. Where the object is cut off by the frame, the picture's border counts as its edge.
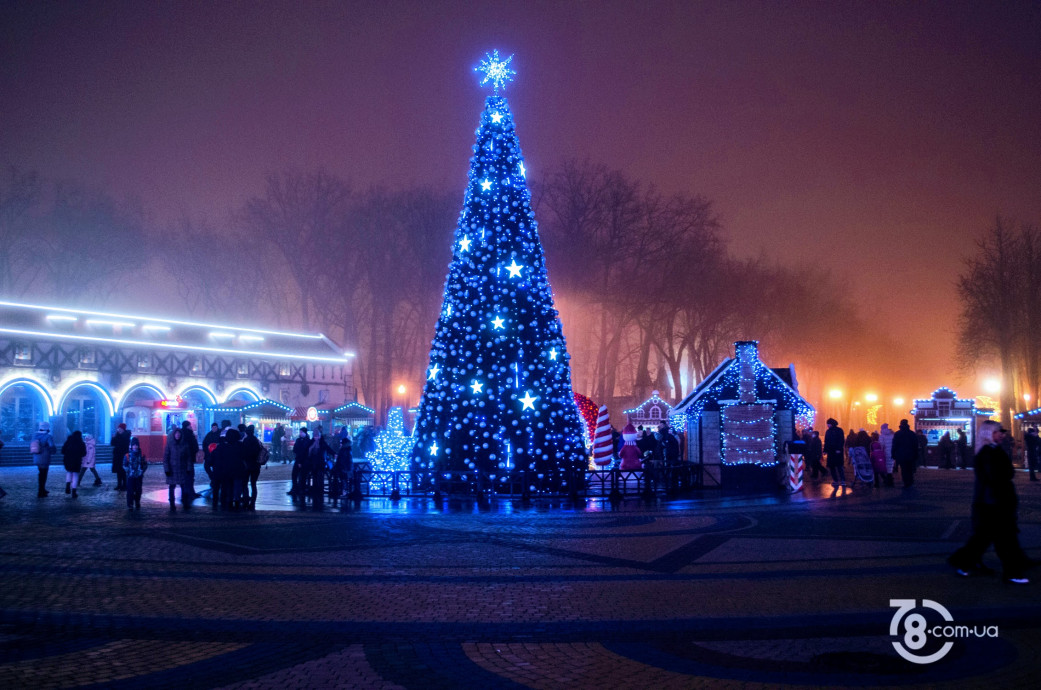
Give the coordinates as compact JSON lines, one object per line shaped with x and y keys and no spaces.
{"x":607,"y":483}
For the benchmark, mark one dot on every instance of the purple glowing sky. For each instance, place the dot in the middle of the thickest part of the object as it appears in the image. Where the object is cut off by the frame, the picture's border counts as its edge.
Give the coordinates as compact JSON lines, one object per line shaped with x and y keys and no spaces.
{"x":872,"y":140}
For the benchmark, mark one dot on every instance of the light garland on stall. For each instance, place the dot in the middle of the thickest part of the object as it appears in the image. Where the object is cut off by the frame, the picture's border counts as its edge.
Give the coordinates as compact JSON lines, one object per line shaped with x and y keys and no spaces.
{"x":769,"y":387}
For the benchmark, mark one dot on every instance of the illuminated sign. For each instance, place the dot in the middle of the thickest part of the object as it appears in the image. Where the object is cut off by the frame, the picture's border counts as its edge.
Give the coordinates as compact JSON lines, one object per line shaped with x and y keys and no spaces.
{"x":312,"y":414}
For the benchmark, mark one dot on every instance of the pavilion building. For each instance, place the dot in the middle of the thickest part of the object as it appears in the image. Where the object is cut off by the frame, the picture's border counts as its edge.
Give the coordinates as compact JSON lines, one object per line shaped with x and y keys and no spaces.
{"x":91,"y":370}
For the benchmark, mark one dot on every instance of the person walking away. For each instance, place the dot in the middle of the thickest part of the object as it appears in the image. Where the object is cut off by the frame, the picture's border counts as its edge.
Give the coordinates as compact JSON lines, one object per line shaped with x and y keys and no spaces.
{"x":227,"y":464}
{"x":179,"y":466}
{"x":252,"y":448}
{"x":905,"y":452}
{"x":923,"y":447}
{"x":300,"y":448}
{"x":42,"y":448}
{"x":135,"y":464}
{"x":961,"y":450}
{"x":72,"y":454}
{"x":209,"y":444}
{"x":834,"y":442}
{"x":994,"y":511}
{"x":193,"y":442}
{"x":120,"y":445}
{"x":885,"y":437}
{"x":341,"y":481}
{"x":815,"y":454}
{"x":316,"y":455}
{"x":878,"y":459}
{"x":1033,"y":447}
{"x":277,"y":434}
{"x":851,"y":440}
{"x":946,"y":446}
{"x":90,"y":459}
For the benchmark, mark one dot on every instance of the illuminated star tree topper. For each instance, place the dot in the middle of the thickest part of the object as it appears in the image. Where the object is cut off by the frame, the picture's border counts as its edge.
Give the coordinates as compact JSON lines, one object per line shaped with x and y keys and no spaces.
{"x":496,"y":71}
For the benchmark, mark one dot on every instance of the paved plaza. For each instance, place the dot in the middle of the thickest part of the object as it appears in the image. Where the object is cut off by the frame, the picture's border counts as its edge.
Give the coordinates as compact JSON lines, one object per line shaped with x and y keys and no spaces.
{"x":709,"y":592}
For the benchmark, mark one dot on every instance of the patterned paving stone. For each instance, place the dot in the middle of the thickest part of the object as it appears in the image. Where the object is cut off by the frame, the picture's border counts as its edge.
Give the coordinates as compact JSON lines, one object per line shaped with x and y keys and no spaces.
{"x":717,"y":591}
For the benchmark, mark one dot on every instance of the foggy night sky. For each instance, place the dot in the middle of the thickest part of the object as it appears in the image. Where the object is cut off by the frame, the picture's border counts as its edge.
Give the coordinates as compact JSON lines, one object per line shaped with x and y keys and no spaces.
{"x":871,"y":140}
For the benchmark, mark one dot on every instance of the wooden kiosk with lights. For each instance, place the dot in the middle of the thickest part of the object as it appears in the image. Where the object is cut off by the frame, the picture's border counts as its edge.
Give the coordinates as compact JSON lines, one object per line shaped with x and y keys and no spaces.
{"x":739,"y":420}
{"x":944,"y":412}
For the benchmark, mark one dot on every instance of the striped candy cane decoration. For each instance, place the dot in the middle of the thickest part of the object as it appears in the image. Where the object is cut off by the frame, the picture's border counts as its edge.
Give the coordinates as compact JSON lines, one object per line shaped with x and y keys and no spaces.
{"x":602,"y":454}
{"x":795,"y":470}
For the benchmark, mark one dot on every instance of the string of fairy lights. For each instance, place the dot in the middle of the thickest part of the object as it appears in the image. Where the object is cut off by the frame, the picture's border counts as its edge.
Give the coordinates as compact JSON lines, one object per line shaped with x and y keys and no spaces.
{"x":497,"y":395}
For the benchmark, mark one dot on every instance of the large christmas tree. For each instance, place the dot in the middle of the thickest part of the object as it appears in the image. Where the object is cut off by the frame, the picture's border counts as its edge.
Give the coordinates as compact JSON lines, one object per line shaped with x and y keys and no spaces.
{"x":498,"y":392}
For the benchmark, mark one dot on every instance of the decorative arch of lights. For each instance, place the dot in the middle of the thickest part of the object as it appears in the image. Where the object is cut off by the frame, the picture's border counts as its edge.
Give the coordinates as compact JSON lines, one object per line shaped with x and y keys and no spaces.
{"x":206,"y":392}
{"x":245,"y":391}
{"x":35,"y":385}
{"x":138,"y":386}
{"x":97,"y":387}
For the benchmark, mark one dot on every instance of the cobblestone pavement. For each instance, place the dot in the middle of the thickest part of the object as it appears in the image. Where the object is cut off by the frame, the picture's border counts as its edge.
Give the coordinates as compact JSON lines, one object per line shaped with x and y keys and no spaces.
{"x":713,"y":592}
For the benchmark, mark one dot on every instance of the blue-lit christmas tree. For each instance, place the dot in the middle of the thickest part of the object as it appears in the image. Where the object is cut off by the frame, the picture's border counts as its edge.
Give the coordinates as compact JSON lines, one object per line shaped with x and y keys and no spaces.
{"x":498,"y":392}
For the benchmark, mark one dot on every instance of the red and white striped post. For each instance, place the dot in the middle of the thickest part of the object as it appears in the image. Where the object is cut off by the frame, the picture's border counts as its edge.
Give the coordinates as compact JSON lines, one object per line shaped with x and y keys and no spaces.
{"x":602,"y":451}
{"x":796,"y":465}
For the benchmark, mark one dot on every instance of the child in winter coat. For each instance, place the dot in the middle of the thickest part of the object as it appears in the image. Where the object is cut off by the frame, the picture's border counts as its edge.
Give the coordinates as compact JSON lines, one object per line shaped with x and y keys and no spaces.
{"x":135,"y":465}
{"x":90,"y":459}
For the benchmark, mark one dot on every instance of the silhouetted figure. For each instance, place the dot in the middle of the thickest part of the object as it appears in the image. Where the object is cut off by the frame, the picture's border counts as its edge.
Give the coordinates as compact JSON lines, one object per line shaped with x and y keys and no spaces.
{"x":994,"y":511}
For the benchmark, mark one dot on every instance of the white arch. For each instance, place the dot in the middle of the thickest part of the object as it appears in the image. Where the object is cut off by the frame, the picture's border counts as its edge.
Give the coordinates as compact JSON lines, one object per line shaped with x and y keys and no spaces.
{"x":155,"y":389}
{"x":47,"y":399}
{"x":201,"y":389}
{"x":249,"y":391}
{"x":91,"y":384}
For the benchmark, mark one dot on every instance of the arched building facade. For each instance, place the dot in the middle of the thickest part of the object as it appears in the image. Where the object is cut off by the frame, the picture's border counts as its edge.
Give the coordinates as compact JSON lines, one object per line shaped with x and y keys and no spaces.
{"x":89,"y":371}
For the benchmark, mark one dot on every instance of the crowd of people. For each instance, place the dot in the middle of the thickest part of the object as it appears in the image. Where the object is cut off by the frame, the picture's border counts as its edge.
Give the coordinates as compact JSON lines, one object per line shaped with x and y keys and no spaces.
{"x":886,"y":451}
{"x":232,"y":458}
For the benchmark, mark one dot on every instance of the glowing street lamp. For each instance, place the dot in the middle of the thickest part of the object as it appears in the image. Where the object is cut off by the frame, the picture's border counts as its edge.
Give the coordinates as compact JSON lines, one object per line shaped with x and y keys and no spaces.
{"x":898,"y":401}
{"x":402,"y":389}
{"x":992,"y":386}
{"x":1026,"y":397}
{"x":871,"y":397}
{"x":835,"y":394}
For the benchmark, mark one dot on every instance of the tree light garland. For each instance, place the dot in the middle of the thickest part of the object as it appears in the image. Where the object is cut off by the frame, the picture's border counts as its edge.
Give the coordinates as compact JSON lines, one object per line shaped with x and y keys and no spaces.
{"x":498,"y":390}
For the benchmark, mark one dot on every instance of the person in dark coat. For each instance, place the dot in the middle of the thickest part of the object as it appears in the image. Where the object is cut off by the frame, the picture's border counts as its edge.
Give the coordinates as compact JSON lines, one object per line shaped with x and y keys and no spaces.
{"x":645,"y":441}
{"x":72,"y":453}
{"x":277,"y":434}
{"x":209,"y":444}
{"x":135,"y":464}
{"x":179,"y":466}
{"x":251,"y":448}
{"x":300,"y":448}
{"x":834,"y":442}
{"x":994,"y":511}
{"x":1033,"y":445}
{"x":228,"y":463}
{"x":815,"y":454}
{"x":42,"y":456}
{"x":961,"y":449}
{"x":341,"y":479}
{"x":905,"y":452}
{"x":316,"y":455}
{"x":120,"y":445}
{"x":923,"y":447}
{"x":946,"y":447}
{"x":193,"y":441}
